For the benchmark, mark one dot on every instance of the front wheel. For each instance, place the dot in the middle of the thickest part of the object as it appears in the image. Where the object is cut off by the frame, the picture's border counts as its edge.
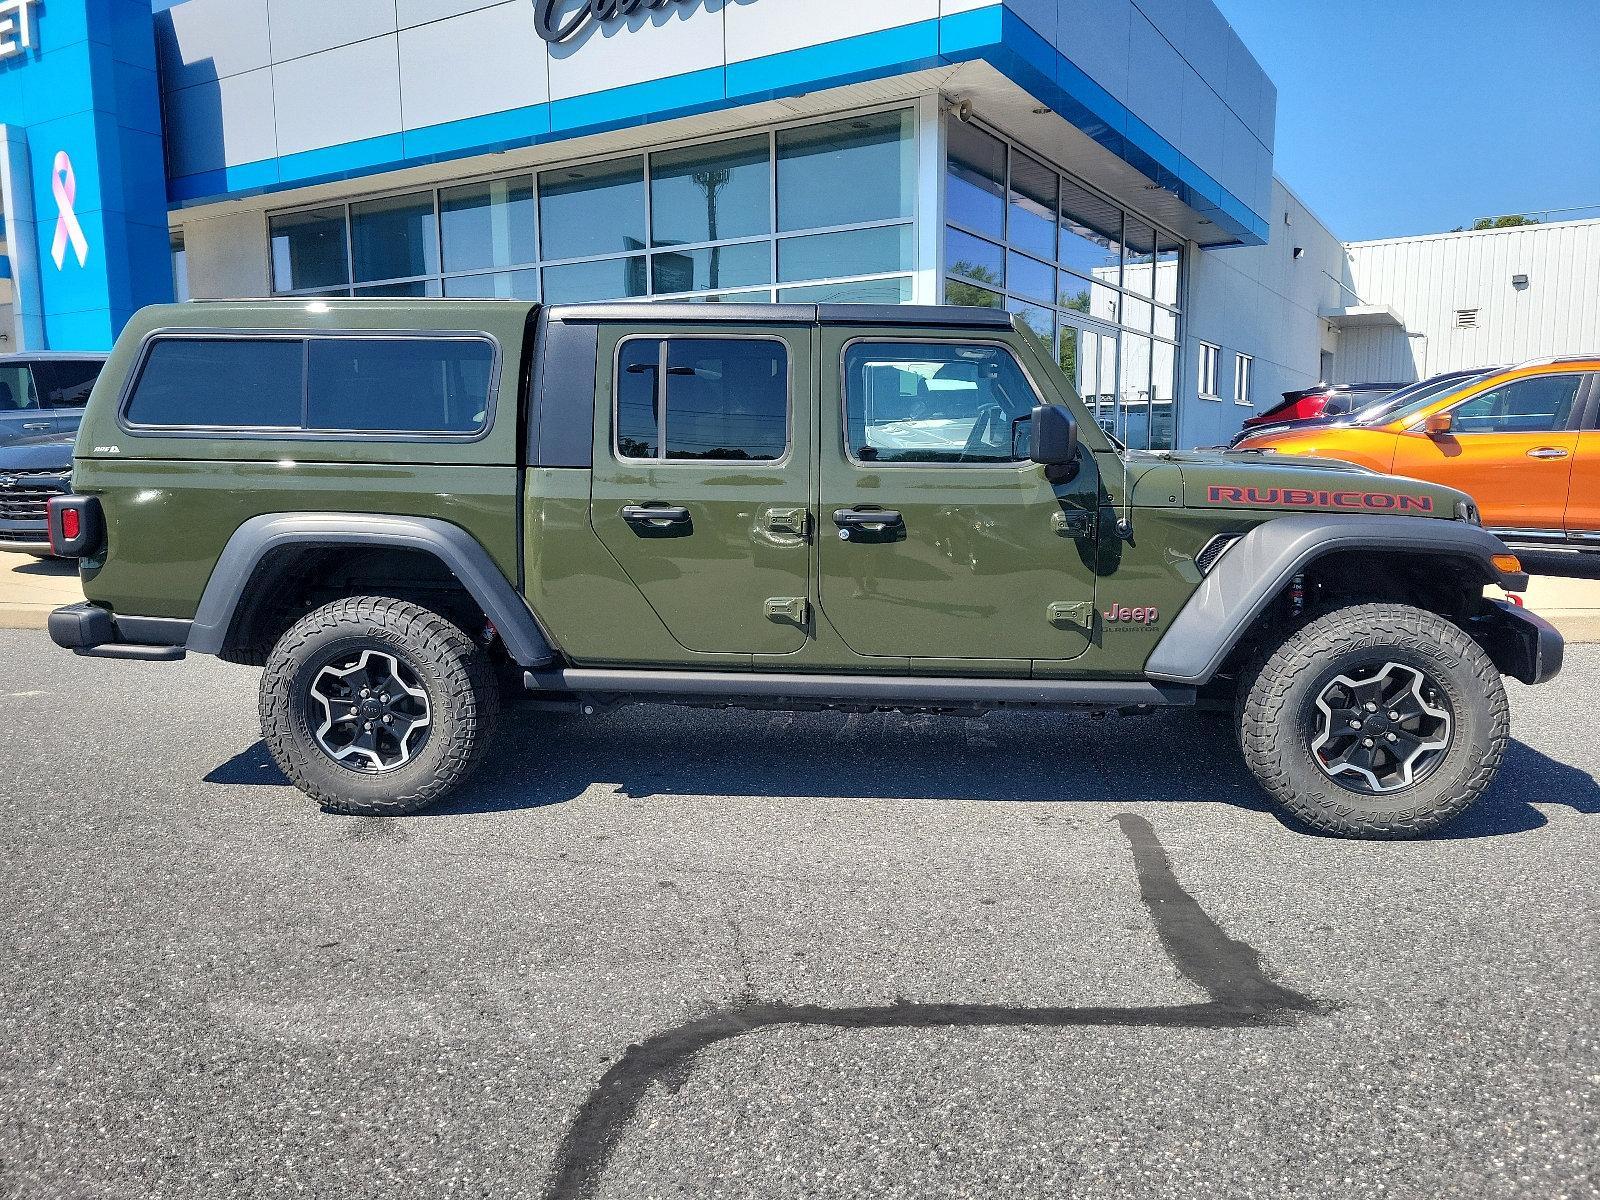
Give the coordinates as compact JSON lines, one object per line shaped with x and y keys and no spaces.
{"x":377,"y":707}
{"x":1376,"y":721}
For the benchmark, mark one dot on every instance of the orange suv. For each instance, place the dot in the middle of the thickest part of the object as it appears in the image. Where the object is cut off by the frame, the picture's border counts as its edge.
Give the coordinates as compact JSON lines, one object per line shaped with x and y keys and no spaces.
{"x":1524,"y":443}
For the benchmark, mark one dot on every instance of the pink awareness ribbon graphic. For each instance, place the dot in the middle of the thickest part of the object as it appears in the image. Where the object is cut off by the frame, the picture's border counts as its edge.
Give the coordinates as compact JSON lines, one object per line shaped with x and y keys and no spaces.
{"x":64,"y":183}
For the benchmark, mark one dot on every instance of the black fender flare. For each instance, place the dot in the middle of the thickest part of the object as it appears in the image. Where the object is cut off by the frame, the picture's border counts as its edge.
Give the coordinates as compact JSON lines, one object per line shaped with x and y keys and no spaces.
{"x":453,"y":546}
{"x":1263,"y":561}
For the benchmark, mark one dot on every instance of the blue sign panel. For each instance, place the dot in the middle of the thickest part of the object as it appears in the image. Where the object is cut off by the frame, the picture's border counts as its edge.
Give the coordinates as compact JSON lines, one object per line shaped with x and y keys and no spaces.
{"x":80,"y":98}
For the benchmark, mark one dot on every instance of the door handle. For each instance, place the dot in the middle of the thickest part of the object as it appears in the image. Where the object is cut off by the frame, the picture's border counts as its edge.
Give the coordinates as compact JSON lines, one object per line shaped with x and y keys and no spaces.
{"x":873,"y":520}
{"x":38,"y":425}
{"x":1548,"y":452}
{"x":655,"y":516}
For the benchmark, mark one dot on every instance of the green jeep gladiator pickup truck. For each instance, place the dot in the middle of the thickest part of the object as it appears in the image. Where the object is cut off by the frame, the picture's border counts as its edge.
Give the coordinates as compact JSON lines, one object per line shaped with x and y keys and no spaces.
{"x":407,"y":510}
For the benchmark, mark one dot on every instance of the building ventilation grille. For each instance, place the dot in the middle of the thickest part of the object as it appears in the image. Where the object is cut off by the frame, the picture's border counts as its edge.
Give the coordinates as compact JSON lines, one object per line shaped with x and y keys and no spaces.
{"x":1466,"y":318}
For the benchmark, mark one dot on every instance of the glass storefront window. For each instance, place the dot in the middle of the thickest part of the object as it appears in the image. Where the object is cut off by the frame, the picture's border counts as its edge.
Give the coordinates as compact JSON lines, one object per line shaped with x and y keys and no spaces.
{"x":602,"y":279}
{"x":310,"y":250}
{"x":845,"y":188}
{"x":975,"y":184}
{"x":708,"y":193}
{"x":1029,"y":277}
{"x":1098,"y":286}
{"x":1033,"y":207}
{"x":970,"y":294}
{"x":973,"y":258}
{"x":394,"y":238}
{"x":711,"y":268}
{"x":499,"y":285}
{"x":847,"y":172}
{"x":858,"y":252}
{"x":593,"y":209}
{"x":861,"y":291}
{"x":488,"y":224}
{"x":410,"y":287}
{"x":1091,"y":234}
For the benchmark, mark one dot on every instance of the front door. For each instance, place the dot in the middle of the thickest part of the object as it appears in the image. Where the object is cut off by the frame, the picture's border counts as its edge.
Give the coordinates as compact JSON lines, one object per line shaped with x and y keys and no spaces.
{"x":702,"y":484}
{"x":1510,"y":448}
{"x":940,"y":538}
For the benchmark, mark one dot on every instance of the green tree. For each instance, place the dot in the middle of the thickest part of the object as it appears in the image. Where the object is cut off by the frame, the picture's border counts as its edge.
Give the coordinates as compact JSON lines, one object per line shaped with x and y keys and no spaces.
{"x":1510,"y":221}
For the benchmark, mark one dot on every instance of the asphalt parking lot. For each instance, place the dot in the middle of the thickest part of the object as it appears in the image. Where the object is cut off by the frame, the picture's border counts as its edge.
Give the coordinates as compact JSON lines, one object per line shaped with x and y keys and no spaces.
{"x":662,"y":953}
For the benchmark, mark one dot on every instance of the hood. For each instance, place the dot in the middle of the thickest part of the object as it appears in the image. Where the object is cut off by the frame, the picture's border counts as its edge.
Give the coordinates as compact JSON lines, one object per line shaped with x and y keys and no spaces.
{"x":38,"y":454}
{"x":1292,"y":484}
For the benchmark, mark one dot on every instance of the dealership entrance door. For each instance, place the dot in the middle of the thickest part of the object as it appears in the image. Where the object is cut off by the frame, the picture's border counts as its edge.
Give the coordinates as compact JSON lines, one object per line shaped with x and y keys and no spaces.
{"x":1089,"y":358}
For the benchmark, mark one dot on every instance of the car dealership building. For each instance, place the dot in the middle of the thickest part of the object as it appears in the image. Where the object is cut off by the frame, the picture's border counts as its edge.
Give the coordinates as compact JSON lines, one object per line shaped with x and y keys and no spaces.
{"x":1103,"y":168}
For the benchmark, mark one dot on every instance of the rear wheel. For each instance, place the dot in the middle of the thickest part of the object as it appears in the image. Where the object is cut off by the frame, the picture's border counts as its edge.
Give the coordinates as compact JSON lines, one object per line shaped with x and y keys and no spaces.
{"x":1376,"y":721}
{"x":377,"y":707}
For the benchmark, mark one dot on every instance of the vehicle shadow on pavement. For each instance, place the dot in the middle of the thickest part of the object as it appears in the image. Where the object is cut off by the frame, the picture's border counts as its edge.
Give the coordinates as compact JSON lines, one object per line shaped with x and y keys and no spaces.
{"x":1016,"y":758}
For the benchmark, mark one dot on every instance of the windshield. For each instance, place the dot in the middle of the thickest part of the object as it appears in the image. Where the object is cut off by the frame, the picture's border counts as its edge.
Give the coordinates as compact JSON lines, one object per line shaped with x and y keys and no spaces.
{"x":1409,"y":400}
{"x":17,"y":393}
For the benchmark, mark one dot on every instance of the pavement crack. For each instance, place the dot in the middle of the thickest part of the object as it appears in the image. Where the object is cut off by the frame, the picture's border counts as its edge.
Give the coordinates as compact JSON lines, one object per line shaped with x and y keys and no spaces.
{"x":1230,"y":971}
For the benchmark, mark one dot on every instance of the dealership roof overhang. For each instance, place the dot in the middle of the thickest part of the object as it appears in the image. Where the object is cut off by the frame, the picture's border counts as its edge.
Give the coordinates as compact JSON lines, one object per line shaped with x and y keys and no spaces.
{"x":1016,"y":80}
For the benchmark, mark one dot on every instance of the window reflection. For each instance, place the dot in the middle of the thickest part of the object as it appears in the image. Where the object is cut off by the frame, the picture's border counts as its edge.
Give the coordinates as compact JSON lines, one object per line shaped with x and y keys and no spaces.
{"x":310,"y":250}
{"x":707,"y":193}
{"x":975,"y":187}
{"x":394,"y":238}
{"x":593,"y":209}
{"x":846,"y":172}
{"x":488,"y":224}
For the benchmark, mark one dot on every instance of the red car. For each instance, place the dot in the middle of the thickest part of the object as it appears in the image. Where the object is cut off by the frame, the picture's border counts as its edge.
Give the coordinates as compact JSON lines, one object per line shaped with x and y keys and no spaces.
{"x":1323,"y":400}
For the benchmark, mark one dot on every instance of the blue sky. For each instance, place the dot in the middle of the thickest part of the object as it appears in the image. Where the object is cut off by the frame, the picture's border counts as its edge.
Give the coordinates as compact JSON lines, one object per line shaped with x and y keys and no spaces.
{"x":1410,"y":116}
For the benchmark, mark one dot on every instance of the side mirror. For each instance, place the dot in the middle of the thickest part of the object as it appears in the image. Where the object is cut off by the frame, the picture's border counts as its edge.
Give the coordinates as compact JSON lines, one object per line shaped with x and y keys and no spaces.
{"x":1055,"y":436}
{"x":1439,"y":425}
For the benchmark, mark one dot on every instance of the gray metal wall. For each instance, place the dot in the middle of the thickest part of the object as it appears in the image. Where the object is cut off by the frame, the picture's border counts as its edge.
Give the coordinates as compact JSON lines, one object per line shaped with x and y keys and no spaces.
{"x":1427,"y":280}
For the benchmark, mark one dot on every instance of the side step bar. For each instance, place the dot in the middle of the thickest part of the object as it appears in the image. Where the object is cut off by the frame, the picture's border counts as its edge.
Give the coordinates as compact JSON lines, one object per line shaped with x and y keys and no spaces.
{"x":887,"y":690}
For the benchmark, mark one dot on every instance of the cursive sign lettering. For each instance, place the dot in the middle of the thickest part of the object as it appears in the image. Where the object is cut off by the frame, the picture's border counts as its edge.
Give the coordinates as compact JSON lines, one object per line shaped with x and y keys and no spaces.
{"x":561,"y":20}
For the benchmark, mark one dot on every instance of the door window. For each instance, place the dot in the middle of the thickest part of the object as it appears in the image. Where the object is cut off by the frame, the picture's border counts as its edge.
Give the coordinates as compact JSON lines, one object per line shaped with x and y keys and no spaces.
{"x":703,"y":399}
{"x":1541,"y":404}
{"x":935,"y":403}
{"x":16,"y":390}
{"x":66,"y":384}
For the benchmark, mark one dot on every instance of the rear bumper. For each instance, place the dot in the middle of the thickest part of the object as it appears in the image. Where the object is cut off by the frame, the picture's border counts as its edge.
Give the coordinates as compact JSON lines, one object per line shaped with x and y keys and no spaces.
{"x":94,"y":632}
{"x":1522,"y":644}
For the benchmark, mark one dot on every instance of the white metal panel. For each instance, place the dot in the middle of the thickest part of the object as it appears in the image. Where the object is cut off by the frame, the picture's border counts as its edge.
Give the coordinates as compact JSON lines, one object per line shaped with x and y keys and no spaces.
{"x":1428,"y":279}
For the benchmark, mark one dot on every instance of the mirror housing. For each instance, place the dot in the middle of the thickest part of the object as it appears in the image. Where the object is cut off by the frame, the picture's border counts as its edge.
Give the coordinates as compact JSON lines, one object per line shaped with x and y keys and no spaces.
{"x":1439,"y":425}
{"x":1055,"y":436}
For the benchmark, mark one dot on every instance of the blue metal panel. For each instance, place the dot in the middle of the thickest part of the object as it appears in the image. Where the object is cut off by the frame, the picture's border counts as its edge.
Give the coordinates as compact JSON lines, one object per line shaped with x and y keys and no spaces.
{"x":85,"y":100}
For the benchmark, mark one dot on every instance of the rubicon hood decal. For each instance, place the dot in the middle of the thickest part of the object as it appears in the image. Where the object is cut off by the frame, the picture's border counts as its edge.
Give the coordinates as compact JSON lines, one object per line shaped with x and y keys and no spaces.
{"x":1361,"y":501}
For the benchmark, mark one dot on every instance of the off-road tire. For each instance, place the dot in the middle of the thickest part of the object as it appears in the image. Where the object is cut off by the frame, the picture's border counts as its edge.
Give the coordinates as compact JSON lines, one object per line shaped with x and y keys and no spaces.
{"x":460,"y":682}
{"x":1278,"y":720}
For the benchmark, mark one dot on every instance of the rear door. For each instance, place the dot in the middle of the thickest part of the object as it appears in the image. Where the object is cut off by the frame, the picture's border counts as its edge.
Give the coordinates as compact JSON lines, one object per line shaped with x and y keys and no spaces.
{"x":941,"y":539}
{"x":1583,"y":498}
{"x":1511,"y":450}
{"x":63,"y":387}
{"x":22,"y":418}
{"x":702,"y":481}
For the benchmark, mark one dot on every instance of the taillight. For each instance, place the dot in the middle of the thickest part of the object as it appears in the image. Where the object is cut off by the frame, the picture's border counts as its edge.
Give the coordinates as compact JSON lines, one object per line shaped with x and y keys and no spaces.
{"x":75,"y":524}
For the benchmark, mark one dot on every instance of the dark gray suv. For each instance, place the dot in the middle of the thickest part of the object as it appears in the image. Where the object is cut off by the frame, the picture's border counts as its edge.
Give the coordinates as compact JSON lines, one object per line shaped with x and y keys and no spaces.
{"x":42,"y":396}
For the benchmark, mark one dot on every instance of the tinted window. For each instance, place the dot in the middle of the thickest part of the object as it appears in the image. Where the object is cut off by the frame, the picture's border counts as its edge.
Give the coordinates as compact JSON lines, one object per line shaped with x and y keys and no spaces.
{"x":1541,"y":404}
{"x":951,"y":403}
{"x":220,"y":382}
{"x":65,"y":384}
{"x":16,"y":389}
{"x":423,"y":385}
{"x":726,"y":399}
